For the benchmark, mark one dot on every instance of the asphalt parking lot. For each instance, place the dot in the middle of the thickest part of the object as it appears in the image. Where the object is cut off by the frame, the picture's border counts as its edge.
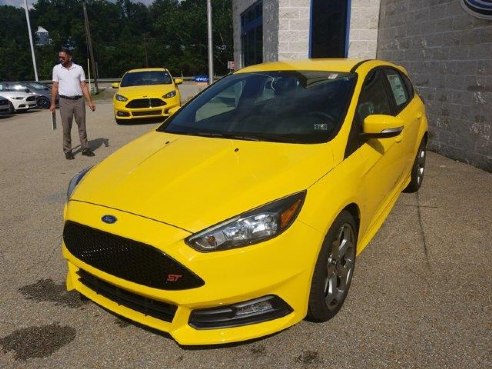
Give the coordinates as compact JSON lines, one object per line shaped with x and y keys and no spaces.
{"x":421,"y":295}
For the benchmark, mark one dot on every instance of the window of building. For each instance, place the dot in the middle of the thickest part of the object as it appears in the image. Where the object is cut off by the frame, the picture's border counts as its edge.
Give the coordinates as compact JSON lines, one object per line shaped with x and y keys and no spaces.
{"x":252,"y":34}
{"x":329,"y":28}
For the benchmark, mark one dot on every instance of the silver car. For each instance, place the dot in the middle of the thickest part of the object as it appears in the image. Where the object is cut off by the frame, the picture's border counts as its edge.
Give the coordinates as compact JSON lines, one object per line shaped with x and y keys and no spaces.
{"x":19,"y":100}
{"x":42,"y":92}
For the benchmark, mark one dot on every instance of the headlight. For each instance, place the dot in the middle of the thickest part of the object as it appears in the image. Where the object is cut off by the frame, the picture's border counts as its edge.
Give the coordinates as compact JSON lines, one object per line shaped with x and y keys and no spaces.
{"x":170,"y":94}
{"x":254,"y":226}
{"x":75,"y":181}
{"x":120,"y":97}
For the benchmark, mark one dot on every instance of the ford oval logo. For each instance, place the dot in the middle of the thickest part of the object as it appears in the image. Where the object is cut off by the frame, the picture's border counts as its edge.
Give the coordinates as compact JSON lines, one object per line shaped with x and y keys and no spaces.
{"x":110,"y":219}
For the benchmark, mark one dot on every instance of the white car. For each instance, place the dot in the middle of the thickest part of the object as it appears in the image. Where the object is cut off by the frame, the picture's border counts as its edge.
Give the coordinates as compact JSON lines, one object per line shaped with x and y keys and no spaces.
{"x":19,"y":101}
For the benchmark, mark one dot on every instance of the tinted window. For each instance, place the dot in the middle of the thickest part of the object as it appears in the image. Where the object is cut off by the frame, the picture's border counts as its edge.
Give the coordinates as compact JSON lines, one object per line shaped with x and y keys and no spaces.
{"x":252,"y":34}
{"x":300,"y":107}
{"x":409,"y":86}
{"x":328,"y":28}
{"x":146,"y":78}
{"x":373,"y":99}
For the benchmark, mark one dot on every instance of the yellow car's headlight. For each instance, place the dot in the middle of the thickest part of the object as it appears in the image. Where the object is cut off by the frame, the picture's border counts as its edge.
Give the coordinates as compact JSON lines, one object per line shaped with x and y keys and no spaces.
{"x":169,"y":94}
{"x":254,"y":226}
{"x":120,"y":97}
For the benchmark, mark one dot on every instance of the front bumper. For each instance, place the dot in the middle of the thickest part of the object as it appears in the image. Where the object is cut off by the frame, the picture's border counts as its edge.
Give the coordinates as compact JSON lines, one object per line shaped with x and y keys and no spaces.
{"x":281,"y":267}
{"x":123,"y":112}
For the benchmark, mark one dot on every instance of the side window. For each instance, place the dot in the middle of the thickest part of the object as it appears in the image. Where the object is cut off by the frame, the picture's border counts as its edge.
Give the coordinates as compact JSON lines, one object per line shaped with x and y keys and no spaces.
{"x":398,"y":88}
{"x":373,"y":99}
{"x":409,"y":86}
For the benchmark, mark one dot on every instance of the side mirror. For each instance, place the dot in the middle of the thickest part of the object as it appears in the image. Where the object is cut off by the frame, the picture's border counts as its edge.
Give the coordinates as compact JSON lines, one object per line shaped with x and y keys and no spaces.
{"x":115,"y":85}
{"x":382,"y":126}
{"x":173,"y":111}
{"x":178,"y":81}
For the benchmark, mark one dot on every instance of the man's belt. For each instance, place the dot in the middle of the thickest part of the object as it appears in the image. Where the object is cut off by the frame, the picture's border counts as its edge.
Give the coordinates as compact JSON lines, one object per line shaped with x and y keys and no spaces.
{"x":71,"y":97}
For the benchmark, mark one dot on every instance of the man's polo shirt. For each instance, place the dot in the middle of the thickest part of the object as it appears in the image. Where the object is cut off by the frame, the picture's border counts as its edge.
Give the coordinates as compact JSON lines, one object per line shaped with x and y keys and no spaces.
{"x":69,"y":79}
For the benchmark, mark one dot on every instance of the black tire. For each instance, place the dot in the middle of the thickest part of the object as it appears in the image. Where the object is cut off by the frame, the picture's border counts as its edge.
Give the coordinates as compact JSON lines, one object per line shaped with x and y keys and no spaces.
{"x":334,"y":269}
{"x":43,"y":102}
{"x":119,"y":121}
{"x":11,"y":108}
{"x":418,"y":169}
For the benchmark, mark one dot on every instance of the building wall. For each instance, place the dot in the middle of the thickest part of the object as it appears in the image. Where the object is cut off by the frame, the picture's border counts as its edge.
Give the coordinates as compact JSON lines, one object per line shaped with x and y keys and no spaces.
{"x":294,"y":23}
{"x":363,"y":31}
{"x":286,"y":29}
{"x":448,"y":54}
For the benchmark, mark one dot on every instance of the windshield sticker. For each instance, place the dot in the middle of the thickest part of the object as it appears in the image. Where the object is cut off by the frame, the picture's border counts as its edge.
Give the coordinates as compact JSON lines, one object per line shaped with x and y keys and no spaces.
{"x":398,"y":89}
{"x":321,"y":127}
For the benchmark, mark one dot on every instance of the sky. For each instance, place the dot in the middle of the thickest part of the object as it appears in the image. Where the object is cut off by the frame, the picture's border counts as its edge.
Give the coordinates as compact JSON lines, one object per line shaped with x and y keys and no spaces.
{"x":20,"y":3}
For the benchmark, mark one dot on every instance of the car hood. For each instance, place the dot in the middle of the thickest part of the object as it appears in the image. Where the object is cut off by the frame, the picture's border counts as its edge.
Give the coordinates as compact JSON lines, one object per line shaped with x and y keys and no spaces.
{"x":194,"y":182}
{"x":156,"y":91}
{"x":12,"y":94}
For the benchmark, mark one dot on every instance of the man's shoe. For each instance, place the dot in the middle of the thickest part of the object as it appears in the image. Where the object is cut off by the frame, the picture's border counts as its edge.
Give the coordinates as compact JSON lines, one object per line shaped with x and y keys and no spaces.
{"x":88,"y":152}
{"x":69,"y":156}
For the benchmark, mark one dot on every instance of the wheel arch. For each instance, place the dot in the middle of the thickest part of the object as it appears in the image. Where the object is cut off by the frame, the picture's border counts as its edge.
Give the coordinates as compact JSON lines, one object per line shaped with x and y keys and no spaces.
{"x":354,"y":210}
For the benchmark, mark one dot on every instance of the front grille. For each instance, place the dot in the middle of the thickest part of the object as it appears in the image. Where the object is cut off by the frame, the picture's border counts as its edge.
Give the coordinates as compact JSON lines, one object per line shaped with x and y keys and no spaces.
{"x":128,"y":259}
{"x":31,"y":98}
{"x":146,"y":113}
{"x":156,"y":309}
{"x":145,"y":103}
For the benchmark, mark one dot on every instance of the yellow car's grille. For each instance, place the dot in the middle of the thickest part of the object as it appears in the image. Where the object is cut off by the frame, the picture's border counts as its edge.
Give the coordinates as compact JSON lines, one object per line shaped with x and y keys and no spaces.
{"x":127,"y":259}
{"x":145,"y":103}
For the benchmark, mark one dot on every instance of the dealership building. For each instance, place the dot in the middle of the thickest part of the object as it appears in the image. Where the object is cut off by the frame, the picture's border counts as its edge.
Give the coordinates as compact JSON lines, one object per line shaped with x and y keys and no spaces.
{"x":446,"y":46}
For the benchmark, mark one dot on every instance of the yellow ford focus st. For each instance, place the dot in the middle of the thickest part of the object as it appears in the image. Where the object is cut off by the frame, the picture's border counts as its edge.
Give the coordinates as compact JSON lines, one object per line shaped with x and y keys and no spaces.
{"x":145,"y":93}
{"x":244,"y":212}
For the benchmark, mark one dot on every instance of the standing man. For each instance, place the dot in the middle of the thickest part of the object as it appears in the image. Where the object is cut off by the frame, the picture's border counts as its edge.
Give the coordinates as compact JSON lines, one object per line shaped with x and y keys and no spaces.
{"x":69,"y":83}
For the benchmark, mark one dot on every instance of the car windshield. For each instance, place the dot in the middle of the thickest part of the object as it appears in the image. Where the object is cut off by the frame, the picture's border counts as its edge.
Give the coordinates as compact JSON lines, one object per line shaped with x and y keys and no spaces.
{"x":146,"y":78}
{"x":37,"y":86}
{"x":284,"y":106}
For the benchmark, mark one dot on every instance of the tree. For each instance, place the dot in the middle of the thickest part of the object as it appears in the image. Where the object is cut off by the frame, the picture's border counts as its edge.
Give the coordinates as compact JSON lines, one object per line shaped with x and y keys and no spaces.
{"x":125,"y":35}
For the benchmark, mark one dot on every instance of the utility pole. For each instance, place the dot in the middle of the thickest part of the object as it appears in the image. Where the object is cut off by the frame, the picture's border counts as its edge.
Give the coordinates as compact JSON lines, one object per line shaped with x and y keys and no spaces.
{"x":89,"y":43}
{"x":210,"y":43}
{"x":30,"y":40}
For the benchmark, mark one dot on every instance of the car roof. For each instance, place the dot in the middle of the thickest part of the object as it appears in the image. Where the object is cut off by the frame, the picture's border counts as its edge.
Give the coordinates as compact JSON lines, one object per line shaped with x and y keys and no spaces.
{"x":147,"y":70}
{"x":322,"y":64}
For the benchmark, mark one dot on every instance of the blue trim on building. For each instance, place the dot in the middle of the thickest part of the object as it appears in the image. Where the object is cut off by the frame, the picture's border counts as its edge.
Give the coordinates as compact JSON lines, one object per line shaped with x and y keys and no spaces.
{"x":347,"y":27}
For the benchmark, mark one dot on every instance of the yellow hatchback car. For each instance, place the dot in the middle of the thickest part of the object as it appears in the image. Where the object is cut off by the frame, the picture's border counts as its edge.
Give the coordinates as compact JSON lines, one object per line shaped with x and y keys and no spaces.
{"x":243,"y":213}
{"x":146,"y":93}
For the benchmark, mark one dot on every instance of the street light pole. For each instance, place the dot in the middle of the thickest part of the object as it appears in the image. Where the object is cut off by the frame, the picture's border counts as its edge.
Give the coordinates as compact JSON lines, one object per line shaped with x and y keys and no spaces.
{"x":210,"y":43}
{"x":89,"y":44}
{"x":30,"y":40}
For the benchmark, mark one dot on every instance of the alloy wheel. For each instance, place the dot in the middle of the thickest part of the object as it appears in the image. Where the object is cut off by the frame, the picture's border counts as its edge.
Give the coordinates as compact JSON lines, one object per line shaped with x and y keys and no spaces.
{"x":420,"y":165}
{"x":340,"y":267}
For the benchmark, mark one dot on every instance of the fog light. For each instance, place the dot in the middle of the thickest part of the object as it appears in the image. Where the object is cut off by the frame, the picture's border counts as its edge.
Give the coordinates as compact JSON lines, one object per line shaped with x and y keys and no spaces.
{"x":248,"y":312}
{"x":122,"y":114}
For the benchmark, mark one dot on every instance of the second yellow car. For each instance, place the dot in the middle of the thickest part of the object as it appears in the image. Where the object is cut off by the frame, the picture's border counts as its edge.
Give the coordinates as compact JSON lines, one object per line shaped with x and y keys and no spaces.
{"x":146,"y":93}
